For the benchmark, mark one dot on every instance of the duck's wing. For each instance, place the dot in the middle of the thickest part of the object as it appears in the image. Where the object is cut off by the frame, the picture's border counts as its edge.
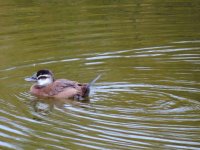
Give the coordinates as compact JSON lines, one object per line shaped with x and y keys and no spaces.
{"x":77,"y":90}
{"x":61,"y":85}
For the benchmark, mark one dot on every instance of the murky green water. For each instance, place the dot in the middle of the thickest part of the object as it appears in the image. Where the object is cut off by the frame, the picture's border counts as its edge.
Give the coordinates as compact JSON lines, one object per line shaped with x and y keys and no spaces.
{"x":147,"y":51}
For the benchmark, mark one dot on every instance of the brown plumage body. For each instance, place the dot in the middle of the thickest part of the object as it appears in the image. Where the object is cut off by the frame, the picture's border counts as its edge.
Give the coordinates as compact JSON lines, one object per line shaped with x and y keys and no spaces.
{"x":61,"y":88}
{"x":47,"y":86}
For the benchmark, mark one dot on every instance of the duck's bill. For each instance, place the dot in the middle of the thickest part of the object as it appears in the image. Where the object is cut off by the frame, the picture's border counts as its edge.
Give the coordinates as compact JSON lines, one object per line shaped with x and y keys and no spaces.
{"x":31,"y":79}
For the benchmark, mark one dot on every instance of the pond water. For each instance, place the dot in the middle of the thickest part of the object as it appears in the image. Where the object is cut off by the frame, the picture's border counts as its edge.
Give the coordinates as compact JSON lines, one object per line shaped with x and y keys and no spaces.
{"x":148,"y":53}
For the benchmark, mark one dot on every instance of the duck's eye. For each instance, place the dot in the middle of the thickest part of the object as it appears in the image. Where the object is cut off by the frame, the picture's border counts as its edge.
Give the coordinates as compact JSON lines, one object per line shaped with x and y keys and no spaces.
{"x":42,"y":77}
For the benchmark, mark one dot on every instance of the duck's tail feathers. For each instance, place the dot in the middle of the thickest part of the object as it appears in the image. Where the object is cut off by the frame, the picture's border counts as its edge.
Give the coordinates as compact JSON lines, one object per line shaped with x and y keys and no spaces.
{"x":93,"y":81}
{"x":87,"y":91}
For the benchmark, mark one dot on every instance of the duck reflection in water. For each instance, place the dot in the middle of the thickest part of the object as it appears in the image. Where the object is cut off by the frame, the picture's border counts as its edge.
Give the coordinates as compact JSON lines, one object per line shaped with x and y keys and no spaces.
{"x":57,"y":92}
{"x":44,"y":106}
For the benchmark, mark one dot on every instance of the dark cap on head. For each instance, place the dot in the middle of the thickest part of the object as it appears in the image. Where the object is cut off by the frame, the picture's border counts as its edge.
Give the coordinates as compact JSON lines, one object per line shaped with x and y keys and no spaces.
{"x":40,"y":74}
{"x":43,"y":72}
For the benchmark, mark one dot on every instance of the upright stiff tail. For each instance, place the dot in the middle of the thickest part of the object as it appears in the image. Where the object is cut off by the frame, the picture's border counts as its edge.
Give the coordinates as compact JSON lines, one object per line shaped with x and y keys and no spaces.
{"x":87,"y":91}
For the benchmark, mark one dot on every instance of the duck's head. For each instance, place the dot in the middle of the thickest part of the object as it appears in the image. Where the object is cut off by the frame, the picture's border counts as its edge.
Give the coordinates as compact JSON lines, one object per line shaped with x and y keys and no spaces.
{"x":42,"y":77}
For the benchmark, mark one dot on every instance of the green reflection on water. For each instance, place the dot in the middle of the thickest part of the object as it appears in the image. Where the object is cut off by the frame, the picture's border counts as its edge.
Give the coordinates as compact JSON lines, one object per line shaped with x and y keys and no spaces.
{"x":53,"y":29}
{"x":148,"y":51}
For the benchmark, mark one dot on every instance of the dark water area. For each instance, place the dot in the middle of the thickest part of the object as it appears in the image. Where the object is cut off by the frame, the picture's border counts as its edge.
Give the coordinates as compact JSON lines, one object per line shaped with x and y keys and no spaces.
{"x":148,"y":53}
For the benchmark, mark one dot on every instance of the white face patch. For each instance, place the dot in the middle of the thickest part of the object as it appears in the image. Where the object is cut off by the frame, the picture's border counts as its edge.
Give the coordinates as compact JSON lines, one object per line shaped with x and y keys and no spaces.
{"x":44,"y":80}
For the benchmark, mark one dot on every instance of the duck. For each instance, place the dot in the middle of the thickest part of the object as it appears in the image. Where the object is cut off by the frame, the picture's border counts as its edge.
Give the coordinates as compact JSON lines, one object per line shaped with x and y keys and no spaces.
{"x":47,"y":86}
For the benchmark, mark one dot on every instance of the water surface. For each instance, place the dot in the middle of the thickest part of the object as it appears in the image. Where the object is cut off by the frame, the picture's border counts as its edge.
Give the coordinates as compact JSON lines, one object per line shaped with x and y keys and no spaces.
{"x":147,"y":52}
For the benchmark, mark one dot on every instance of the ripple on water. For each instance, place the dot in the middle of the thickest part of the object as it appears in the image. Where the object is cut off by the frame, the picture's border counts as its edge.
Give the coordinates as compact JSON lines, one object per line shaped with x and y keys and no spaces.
{"x":148,"y":53}
{"x":96,"y":125}
{"x":108,"y":118}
